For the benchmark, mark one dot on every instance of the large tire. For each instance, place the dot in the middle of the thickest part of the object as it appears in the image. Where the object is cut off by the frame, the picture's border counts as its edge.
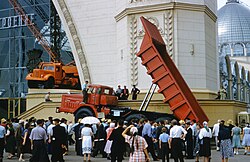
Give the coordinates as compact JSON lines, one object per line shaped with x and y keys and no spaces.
{"x":164,"y":118}
{"x":83,"y":112}
{"x":50,"y":83}
{"x":32,"y":84}
{"x":135,"y":116}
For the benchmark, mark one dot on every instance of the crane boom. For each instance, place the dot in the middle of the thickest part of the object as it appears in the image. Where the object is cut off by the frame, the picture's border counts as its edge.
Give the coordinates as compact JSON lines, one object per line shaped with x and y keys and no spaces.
{"x":34,"y":29}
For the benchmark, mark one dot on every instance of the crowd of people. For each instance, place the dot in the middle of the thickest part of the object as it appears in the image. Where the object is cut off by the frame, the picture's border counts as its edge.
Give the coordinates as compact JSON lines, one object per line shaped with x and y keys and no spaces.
{"x":115,"y":139}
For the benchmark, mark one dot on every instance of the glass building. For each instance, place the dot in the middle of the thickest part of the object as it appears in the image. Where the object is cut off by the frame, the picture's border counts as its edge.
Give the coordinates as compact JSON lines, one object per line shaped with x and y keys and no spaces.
{"x":15,"y":41}
{"x":234,"y":42}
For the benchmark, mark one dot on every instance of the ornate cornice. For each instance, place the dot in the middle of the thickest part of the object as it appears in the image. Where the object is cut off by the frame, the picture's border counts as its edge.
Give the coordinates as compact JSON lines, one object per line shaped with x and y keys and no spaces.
{"x":166,"y":6}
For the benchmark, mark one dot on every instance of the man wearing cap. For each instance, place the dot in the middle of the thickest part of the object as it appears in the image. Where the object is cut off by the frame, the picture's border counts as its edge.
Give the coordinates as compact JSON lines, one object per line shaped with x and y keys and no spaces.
{"x":19,"y":138}
{"x":38,"y":139}
{"x":189,"y":140}
{"x":2,"y":141}
{"x":100,"y":140}
{"x":58,"y":141}
{"x":64,"y":124}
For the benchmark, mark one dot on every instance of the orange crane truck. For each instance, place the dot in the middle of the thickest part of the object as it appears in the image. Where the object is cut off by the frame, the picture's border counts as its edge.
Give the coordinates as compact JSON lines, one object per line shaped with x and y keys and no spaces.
{"x":49,"y":74}
{"x":159,"y":65}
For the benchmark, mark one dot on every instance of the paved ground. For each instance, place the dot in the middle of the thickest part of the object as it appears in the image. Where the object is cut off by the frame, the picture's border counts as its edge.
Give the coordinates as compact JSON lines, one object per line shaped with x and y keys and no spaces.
{"x":72,"y":158}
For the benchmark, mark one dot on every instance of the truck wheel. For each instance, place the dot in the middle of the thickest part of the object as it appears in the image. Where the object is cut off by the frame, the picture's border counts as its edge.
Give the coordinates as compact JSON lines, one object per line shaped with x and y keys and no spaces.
{"x":49,"y":83}
{"x":83,"y":112}
{"x":165,"y":118}
{"x":134,"y":116}
{"x":32,"y":84}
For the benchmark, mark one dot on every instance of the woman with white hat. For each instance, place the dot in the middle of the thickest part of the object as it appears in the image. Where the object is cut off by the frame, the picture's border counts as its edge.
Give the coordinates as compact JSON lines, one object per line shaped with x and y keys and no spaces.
{"x":204,"y":136}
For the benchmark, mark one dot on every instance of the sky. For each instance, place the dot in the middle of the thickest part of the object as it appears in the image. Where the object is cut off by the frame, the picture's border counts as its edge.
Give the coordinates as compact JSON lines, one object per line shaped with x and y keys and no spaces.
{"x":221,"y":3}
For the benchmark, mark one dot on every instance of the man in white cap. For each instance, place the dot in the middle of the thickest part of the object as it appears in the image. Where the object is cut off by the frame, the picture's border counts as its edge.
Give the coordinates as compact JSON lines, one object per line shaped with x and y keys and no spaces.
{"x":18,"y":135}
{"x":216,"y":133}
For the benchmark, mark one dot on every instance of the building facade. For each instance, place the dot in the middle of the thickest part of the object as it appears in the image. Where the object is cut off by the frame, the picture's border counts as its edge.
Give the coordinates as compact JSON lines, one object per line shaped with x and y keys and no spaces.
{"x":110,"y":34}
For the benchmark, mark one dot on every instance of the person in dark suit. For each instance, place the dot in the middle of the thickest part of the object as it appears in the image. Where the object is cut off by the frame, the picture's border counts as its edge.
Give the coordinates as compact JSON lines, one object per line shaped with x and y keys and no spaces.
{"x":100,"y":141}
{"x":134,"y":92}
{"x":77,"y":130}
{"x":189,"y":140}
{"x":118,"y":145}
{"x":125,"y":93}
{"x":58,"y":142}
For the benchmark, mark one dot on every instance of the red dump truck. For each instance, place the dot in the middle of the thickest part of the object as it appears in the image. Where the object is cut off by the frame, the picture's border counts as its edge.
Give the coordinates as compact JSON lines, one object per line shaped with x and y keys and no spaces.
{"x":101,"y":102}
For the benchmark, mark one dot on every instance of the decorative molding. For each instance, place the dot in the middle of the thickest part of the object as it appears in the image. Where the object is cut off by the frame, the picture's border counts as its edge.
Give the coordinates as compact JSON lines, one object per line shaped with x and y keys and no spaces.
{"x":169,"y":31}
{"x":75,"y":42}
{"x":133,"y":50}
{"x":166,"y":6}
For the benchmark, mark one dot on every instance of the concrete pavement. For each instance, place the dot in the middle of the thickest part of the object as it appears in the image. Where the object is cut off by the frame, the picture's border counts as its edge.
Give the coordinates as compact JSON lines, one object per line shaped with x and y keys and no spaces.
{"x":73,"y":158}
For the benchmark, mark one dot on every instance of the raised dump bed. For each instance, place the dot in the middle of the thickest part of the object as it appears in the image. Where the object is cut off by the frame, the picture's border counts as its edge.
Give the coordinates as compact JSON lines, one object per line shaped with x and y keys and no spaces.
{"x":165,"y":74}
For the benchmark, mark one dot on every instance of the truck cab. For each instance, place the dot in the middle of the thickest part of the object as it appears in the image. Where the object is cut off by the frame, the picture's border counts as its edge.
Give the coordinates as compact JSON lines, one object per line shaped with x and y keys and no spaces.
{"x":100,"y":99}
{"x":100,"y":95}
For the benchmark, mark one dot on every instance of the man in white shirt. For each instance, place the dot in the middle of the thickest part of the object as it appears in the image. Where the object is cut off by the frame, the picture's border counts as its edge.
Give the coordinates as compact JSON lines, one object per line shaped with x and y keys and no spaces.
{"x":49,"y":133}
{"x":177,"y":134}
{"x":216,"y":133}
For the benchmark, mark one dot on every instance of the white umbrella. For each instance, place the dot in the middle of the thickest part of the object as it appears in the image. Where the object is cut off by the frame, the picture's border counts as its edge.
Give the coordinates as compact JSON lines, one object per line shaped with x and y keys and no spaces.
{"x":90,"y":120}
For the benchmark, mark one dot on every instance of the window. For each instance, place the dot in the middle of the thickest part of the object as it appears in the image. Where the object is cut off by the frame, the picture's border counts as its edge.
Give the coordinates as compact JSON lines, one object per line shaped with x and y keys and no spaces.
{"x":106,"y":91}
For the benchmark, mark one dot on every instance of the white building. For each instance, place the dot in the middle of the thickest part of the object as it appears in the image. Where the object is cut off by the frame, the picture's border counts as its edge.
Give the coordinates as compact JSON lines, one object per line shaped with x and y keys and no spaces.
{"x":105,"y":35}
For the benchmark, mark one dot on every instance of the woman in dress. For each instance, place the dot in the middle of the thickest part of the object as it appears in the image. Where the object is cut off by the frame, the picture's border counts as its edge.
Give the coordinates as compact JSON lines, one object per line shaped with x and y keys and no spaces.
{"x":10,"y":141}
{"x":108,"y":145}
{"x":224,"y":138}
{"x":197,"y":144}
{"x":26,"y":145}
{"x":138,"y":145}
{"x":86,"y":134}
{"x":246,"y":139}
{"x":236,"y":138}
{"x":204,"y":137}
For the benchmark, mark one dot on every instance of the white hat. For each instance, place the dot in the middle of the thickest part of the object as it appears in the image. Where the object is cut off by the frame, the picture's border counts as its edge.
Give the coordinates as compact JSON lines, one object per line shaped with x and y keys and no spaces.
{"x":112,"y":125}
{"x":133,"y":130}
{"x":205,"y":123}
{"x":21,"y":121}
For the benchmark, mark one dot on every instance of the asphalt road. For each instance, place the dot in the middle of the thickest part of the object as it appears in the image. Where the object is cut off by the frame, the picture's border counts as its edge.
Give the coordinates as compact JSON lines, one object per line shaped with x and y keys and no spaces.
{"x":73,"y":158}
